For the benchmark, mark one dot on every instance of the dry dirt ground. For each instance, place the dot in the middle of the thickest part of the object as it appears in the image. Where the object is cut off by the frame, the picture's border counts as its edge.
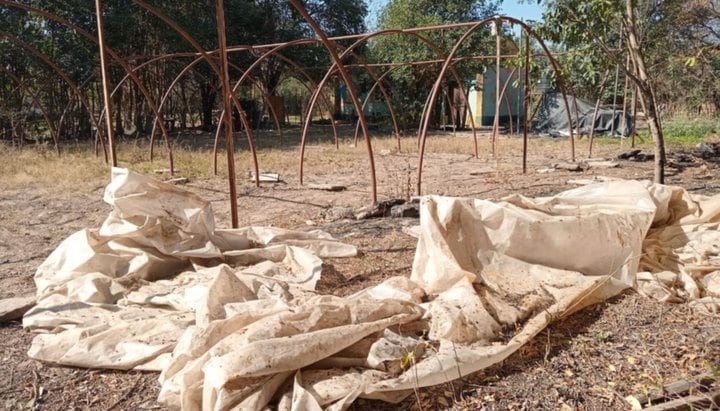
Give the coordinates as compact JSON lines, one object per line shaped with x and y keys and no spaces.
{"x":591,"y":360}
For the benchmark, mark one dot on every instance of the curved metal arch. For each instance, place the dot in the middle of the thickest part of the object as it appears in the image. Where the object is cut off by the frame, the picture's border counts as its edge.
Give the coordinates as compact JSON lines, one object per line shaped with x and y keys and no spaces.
{"x":177,"y":78}
{"x":237,"y":107}
{"x":275,"y":51}
{"x":156,"y":121}
{"x":110,"y":51}
{"x":311,"y":81}
{"x":264,"y":95}
{"x":434,"y":47}
{"x":67,"y":107}
{"x":375,"y":77}
{"x":185,"y":35}
{"x":300,"y":70}
{"x":135,"y":69}
{"x":166,"y":94}
{"x":433,"y":93}
{"x":19,"y":42}
{"x":351,"y":89}
{"x":372,"y":89}
{"x":505,"y":96}
{"x":36,"y":101}
{"x":423,"y":39}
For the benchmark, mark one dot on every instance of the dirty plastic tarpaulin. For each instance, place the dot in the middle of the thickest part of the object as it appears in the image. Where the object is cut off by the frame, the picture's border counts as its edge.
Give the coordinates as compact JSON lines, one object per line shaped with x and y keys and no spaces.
{"x":681,"y":260}
{"x":120,"y":296}
{"x":231,"y":319}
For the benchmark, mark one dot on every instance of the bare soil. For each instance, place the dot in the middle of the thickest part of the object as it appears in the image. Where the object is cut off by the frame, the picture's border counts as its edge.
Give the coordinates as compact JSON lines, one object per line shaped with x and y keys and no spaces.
{"x":591,"y":360}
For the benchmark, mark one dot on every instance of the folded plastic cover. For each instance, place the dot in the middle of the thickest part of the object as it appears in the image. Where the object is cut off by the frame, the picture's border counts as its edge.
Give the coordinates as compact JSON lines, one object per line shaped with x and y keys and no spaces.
{"x":232,"y":321}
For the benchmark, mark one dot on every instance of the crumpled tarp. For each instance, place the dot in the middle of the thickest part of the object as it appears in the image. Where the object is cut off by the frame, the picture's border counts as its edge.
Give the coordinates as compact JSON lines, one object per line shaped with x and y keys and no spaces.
{"x":231,"y":319}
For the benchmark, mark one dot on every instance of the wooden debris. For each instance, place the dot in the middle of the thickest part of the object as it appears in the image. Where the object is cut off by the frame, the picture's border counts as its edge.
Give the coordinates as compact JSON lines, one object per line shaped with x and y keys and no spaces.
{"x":327,"y":187}
{"x":381,"y":209}
{"x":603,"y":164}
{"x":592,"y":180}
{"x":697,"y":392}
{"x":412,"y":231}
{"x":703,"y":401}
{"x":581,"y":166}
{"x":267,"y":177}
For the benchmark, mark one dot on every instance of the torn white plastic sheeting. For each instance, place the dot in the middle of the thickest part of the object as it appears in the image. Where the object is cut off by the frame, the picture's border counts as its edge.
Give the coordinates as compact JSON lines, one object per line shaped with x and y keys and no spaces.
{"x":231,"y":318}
{"x":121,"y":296}
{"x":681,"y":253}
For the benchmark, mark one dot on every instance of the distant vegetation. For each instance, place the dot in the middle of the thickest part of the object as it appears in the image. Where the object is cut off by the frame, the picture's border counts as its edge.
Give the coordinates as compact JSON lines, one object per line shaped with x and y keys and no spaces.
{"x":665,"y":51}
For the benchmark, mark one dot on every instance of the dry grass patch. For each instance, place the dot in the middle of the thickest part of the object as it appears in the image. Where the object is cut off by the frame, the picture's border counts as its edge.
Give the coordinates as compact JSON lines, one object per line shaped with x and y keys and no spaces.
{"x":77,"y":167}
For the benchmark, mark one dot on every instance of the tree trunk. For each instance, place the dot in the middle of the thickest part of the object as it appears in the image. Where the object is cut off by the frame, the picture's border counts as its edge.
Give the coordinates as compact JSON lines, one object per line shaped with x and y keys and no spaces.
{"x":647,"y":94}
{"x":647,"y":100}
{"x":119,"y":131}
{"x":337,"y":111}
{"x":207,"y":98}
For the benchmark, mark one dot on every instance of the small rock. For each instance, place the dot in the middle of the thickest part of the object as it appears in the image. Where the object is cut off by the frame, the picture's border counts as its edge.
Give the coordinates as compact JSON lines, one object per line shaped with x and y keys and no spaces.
{"x":405,"y":210}
{"x":628,"y":154}
{"x":413,"y":231}
{"x":711,"y":284}
{"x":385,"y":152}
{"x":644,"y":157}
{"x":310,"y":222}
{"x":337,"y":213}
{"x":707,"y":150}
{"x":14,"y":308}
{"x":381,"y":209}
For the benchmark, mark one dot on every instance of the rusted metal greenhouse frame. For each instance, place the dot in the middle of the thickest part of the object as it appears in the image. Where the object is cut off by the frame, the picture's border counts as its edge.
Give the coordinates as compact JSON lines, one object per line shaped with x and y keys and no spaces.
{"x":497,"y":20}
{"x":218,"y":62}
{"x":364,"y":38}
{"x":184,"y":71}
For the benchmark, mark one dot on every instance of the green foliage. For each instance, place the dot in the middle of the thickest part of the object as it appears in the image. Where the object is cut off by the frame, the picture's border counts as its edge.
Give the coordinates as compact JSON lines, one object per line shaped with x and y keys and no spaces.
{"x":415,"y":81}
{"x":678,"y":40}
{"x":690,"y":131}
{"x":137,"y":35}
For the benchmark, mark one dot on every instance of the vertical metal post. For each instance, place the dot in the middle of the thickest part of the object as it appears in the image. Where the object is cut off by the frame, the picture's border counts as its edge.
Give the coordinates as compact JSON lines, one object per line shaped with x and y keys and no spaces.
{"x":633,"y":107}
{"x":526,"y":101}
{"x":615,"y":90}
{"x":496,"y":124}
{"x":351,"y":89}
{"x":106,"y":86}
{"x":625,"y":87}
{"x":595,"y":111}
{"x":615,"y":87}
{"x":227,"y":114}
